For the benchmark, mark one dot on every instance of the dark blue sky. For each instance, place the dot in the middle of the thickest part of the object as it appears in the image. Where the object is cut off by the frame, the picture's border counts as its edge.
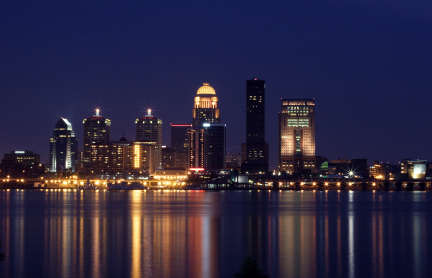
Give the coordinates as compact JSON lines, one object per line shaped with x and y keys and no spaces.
{"x":367,"y":63}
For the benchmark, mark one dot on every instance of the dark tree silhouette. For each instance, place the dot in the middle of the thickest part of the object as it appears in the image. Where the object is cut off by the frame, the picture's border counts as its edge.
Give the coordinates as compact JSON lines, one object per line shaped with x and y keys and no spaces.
{"x":249,"y":269}
{"x":2,"y":255}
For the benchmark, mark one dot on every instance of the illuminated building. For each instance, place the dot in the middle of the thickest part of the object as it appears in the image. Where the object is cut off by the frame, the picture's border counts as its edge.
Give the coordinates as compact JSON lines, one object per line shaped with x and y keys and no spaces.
{"x":20,"y":163}
{"x":415,"y":169}
{"x":255,"y":150}
{"x":97,"y":130}
{"x":150,"y":129}
{"x":350,"y":168}
{"x":179,"y":137}
{"x":63,"y":147}
{"x":297,"y":136}
{"x":123,"y":158}
{"x":205,"y":106}
{"x":172,"y":159}
{"x":196,"y":149}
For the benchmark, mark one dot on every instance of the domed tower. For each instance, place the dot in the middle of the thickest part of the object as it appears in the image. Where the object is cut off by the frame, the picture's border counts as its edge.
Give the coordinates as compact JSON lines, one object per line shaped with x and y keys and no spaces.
{"x":205,"y":107}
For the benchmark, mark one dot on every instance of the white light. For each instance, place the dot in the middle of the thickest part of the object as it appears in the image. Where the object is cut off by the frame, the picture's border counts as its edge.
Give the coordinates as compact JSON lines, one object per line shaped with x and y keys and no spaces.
{"x":206,"y":125}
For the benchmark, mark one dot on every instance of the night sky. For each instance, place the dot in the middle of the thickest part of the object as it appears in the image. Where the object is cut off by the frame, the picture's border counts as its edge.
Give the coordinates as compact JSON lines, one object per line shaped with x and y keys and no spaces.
{"x":367,"y":63}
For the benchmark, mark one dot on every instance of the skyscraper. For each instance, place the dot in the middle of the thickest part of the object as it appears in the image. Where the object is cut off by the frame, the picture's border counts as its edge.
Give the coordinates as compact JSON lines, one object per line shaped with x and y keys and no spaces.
{"x":205,"y":107}
{"x":63,"y":147}
{"x":215,"y":146}
{"x":256,"y":148}
{"x":97,"y":130}
{"x":207,"y":138}
{"x":179,"y":137}
{"x":150,"y":129}
{"x":297,"y":136}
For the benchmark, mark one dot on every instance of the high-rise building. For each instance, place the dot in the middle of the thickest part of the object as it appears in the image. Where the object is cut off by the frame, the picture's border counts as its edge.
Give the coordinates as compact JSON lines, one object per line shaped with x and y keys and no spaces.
{"x":150,"y":128}
{"x":297,"y":136}
{"x":207,"y":138}
{"x":97,"y":130}
{"x":205,"y":107}
{"x":255,"y":151}
{"x":179,"y":137}
{"x":215,"y":146}
{"x":196,"y":150}
{"x":63,"y":147}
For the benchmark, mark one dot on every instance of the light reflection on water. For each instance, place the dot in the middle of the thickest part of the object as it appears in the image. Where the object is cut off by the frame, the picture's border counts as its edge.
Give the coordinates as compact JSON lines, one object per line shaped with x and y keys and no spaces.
{"x":207,"y":234}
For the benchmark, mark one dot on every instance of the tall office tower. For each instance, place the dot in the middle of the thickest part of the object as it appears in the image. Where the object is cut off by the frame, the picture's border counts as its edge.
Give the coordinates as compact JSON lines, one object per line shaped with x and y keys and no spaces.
{"x":196,"y":148}
{"x":297,"y":136}
{"x":205,"y":107}
{"x":215,"y":146}
{"x":179,"y":137}
{"x":63,"y":147}
{"x":256,"y":149}
{"x":97,"y":130}
{"x":150,"y":129}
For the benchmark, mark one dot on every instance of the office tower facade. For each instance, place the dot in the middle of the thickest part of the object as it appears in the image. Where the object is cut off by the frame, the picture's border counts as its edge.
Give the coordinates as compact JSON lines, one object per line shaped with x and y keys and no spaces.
{"x":196,"y":148}
{"x":255,"y":150}
{"x":63,"y":147}
{"x":215,"y":146}
{"x":205,"y":107}
{"x":97,"y":130}
{"x":297,"y":136}
{"x":179,"y":137}
{"x":149,"y":128}
{"x":21,"y":164}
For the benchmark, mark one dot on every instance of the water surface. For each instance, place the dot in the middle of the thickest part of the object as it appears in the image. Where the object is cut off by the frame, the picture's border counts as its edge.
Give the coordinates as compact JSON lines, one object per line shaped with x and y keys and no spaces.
{"x":208,"y":234}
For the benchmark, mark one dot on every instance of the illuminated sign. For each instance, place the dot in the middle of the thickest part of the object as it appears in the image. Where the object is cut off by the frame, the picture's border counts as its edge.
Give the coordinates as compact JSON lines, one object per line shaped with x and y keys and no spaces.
{"x":19,"y":151}
{"x":196,"y":169}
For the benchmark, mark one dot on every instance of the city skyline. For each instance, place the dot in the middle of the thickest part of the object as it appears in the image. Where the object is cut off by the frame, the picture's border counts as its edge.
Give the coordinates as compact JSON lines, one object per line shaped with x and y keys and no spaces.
{"x":368,"y":65}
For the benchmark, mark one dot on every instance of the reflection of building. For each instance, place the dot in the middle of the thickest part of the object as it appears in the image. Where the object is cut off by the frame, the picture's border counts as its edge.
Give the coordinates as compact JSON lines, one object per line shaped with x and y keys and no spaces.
{"x":97,"y":130}
{"x":256,"y":149}
{"x":205,"y":106}
{"x":150,"y":128}
{"x":297,"y":136}
{"x":179,"y":137}
{"x":63,"y":147}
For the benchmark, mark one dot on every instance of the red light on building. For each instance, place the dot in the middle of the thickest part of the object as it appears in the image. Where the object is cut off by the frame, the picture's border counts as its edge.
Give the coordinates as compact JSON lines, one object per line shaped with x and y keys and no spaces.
{"x":196,"y":169}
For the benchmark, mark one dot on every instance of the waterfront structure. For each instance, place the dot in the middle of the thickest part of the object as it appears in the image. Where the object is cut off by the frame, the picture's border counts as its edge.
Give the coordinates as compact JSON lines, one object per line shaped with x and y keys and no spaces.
{"x":354,"y":168}
{"x":179,"y":137}
{"x":173,"y":159}
{"x":63,"y":147}
{"x":255,"y":150}
{"x":97,"y":130}
{"x":414,"y":169}
{"x":123,"y":158}
{"x":196,"y":149}
{"x":150,"y":128}
{"x":205,"y":107}
{"x":20,"y":163}
{"x":215,"y":146}
{"x":297,"y":136}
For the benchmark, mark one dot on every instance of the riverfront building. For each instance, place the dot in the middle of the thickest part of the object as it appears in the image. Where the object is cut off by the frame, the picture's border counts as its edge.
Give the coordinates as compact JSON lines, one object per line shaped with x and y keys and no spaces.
{"x":149,"y":128}
{"x":255,"y":151}
{"x":97,"y":130}
{"x":205,"y":107}
{"x":207,"y":137}
{"x":297,"y":136}
{"x":63,"y":147}
{"x":179,"y":137}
